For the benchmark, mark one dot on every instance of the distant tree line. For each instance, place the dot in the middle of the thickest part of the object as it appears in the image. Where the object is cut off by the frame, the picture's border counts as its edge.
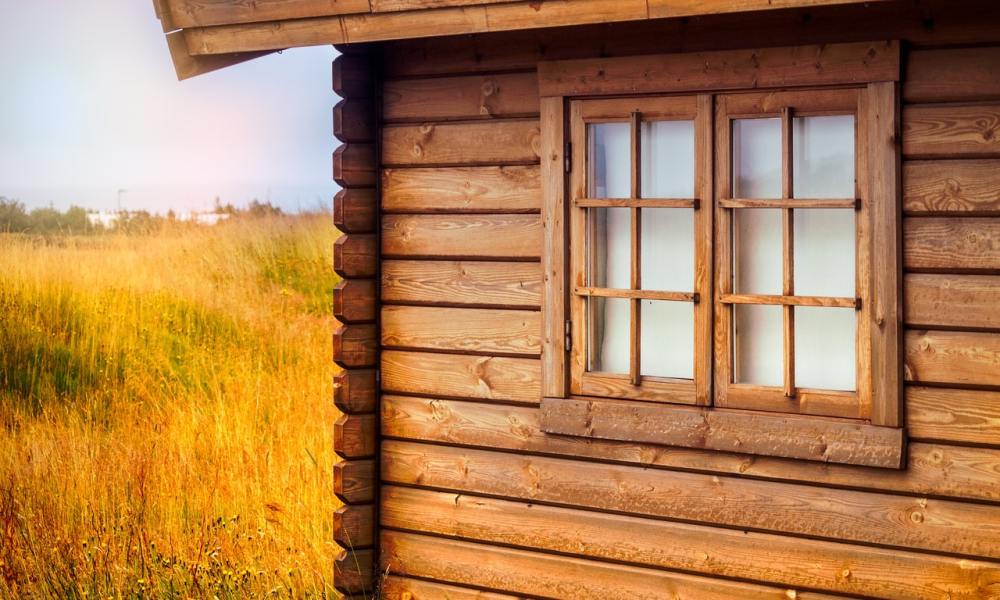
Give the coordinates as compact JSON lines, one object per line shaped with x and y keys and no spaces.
{"x":15,"y":218}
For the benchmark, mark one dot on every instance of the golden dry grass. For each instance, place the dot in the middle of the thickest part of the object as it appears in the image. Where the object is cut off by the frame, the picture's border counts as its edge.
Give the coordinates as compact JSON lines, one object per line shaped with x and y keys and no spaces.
{"x":165,"y":414}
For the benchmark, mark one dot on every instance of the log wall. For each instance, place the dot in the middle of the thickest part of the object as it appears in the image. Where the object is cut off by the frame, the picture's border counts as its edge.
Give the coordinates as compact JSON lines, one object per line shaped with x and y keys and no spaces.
{"x":477,"y":502}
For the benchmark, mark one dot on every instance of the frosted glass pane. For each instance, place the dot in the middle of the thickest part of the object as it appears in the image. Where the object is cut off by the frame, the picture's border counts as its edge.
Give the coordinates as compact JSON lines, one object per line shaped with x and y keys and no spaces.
{"x":667,"y":339}
{"x":823,"y":157}
{"x":668,"y":249}
{"x":757,"y":246}
{"x":610,"y":160}
{"x":610,"y":234}
{"x":668,"y":159}
{"x":608,"y":338}
{"x":824,"y":252}
{"x":757,"y":158}
{"x":825,"y":349}
{"x":759,"y":346}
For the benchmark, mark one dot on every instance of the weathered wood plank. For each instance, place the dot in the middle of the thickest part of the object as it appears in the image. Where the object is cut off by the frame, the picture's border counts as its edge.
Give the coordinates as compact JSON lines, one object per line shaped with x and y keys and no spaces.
{"x":551,"y":576}
{"x":356,"y":255}
{"x":353,"y":76}
{"x":932,"y":469}
{"x":952,"y":301}
{"x":405,"y":588}
{"x":354,"y":436}
{"x":200,"y":13}
{"x":792,"y":562}
{"x":949,"y":131}
{"x":968,"y":416}
{"x":839,"y":515}
{"x":355,"y":210}
{"x":354,"y":526}
{"x":187,"y":65}
{"x":482,"y":283}
{"x":462,"y":236}
{"x":722,"y":70}
{"x":354,"y":571}
{"x":355,"y":300}
{"x":953,"y":75}
{"x":355,"y":391}
{"x":493,"y":378}
{"x":964,"y":358}
{"x":354,"y":165}
{"x":470,"y":97}
{"x":355,"y":345}
{"x":485,"y":331}
{"x":354,"y":481}
{"x":354,"y":121}
{"x":506,"y":141}
{"x":951,"y":244}
{"x":462,"y":189}
{"x":766,"y":434}
{"x":959,"y":187}
{"x":379,"y":6}
{"x":555,"y":247}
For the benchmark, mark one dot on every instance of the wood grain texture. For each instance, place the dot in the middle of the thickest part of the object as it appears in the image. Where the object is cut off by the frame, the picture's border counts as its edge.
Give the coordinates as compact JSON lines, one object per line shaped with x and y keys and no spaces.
{"x":200,"y":13}
{"x":355,"y":300}
{"x":187,"y":65}
{"x":952,"y":301}
{"x":461,"y":189}
{"x":838,"y":515}
{"x":550,"y":576}
{"x":353,"y":75}
{"x":492,"y":378}
{"x":966,"y":416}
{"x":951,"y":244}
{"x":354,"y":571}
{"x":950,"y":131}
{"x":470,"y":97}
{"x":354,"y":436}
{"x":958,"y":187}
{"x":354,"y":526}
{"x":355,"y":391}
{"x":406,"y":588}
{"x":355,"y":210}
{"x":963,"y":358}
{"x":400,"y":5}
{"x":354,"y":120}
{"x":722,"y":70}
{"x":462,"y":236}
{"x":932,"y":469}
{"x":791,"y":562}
{"x":953,"y":75}
{"x":356,"y":255}
{"x":354,"y":481}
{"x":354,"y":165}
{"x":766,"y":434}
{"x":555,"y":247}
{"x":355,"y":346}
{"x":500,"y":142}
{"x":472,"y":330}
{"x":482,"y":283}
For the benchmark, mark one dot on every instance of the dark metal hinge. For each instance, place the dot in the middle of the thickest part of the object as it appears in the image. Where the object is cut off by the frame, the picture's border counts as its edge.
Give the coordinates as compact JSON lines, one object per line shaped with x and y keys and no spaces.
{"x":568,"y":157}
{"x":569,"y":335}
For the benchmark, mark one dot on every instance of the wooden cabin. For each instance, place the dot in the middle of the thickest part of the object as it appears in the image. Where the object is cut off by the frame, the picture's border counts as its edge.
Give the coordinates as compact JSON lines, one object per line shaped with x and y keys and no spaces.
{"x":657,"y":298}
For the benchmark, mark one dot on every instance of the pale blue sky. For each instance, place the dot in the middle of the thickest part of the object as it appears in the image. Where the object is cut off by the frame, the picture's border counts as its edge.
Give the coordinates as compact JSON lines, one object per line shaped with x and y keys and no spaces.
{"x":90,"y":104}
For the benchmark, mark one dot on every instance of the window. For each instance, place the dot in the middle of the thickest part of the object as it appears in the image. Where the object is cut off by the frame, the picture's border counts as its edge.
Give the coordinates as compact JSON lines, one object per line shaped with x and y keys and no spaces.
{"x":733,"y":252}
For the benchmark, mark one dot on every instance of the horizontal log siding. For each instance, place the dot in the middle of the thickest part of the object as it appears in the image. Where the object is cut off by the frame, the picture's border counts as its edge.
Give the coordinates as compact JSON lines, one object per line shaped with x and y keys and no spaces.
{"x":492,"y":503}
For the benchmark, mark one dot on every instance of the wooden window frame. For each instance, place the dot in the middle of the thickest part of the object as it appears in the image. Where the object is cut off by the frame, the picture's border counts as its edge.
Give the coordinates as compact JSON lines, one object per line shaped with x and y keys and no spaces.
{"x":717,"y":418}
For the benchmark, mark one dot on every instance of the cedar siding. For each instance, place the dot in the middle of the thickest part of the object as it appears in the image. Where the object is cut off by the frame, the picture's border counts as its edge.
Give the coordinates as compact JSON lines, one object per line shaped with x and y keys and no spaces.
{"x":475,"y":501}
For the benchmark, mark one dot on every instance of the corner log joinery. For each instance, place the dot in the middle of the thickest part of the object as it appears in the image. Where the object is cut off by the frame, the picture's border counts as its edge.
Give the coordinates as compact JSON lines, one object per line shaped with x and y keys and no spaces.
{"x":355,"y":343}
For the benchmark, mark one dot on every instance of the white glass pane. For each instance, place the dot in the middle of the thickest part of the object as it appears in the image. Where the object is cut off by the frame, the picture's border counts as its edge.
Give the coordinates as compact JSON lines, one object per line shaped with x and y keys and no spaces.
{"x":610,"y":160}
{"x":667,"y":249}
{"x":608,"y":337}
{"x":824,"y":252}
{"x":759,"y":346}
{"x":668,"y":159}
{"x":757,"y":251}
{"x":823,"y":157}
{"x":757,"y":158}
{"x":667,"y":339}
{"x":609,"y":242}
{"x":825,"y":348}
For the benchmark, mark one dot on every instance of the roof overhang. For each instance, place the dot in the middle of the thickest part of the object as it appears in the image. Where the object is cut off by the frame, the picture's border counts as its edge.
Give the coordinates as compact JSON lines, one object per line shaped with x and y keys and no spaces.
{"x":205,"y":35}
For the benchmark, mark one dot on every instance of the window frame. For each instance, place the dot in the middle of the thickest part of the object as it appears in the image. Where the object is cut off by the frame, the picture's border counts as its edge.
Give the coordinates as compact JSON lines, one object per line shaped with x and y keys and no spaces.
{"x":873,"y":68}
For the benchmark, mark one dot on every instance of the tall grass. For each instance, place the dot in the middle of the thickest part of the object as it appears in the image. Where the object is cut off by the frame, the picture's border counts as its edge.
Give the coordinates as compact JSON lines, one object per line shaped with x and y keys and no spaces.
{"x":165,"y":412}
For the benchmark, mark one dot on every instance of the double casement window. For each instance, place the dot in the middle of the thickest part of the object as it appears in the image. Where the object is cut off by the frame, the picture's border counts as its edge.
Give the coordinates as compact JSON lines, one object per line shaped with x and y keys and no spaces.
{"x":734,"y":252}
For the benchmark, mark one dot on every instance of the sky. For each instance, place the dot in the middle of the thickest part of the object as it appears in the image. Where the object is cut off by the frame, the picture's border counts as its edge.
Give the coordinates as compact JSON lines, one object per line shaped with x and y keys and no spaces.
{"x":90,"y":104}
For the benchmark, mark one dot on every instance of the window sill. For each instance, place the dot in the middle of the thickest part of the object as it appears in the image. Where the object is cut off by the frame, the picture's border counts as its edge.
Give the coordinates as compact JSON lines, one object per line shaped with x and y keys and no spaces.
{"x":803,"y":437}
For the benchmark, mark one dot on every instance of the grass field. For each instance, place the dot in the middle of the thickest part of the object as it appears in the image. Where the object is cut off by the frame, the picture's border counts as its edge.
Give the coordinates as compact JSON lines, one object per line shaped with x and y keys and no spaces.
{"x":166,"y":413}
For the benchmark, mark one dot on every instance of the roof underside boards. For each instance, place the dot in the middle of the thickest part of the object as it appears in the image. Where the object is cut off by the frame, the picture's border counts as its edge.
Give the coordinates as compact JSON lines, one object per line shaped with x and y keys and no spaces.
{"x":230,"y":27}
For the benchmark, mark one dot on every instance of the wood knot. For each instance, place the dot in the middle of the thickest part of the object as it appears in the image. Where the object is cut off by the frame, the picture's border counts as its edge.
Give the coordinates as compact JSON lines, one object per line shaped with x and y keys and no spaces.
{"x":917,"y":516}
